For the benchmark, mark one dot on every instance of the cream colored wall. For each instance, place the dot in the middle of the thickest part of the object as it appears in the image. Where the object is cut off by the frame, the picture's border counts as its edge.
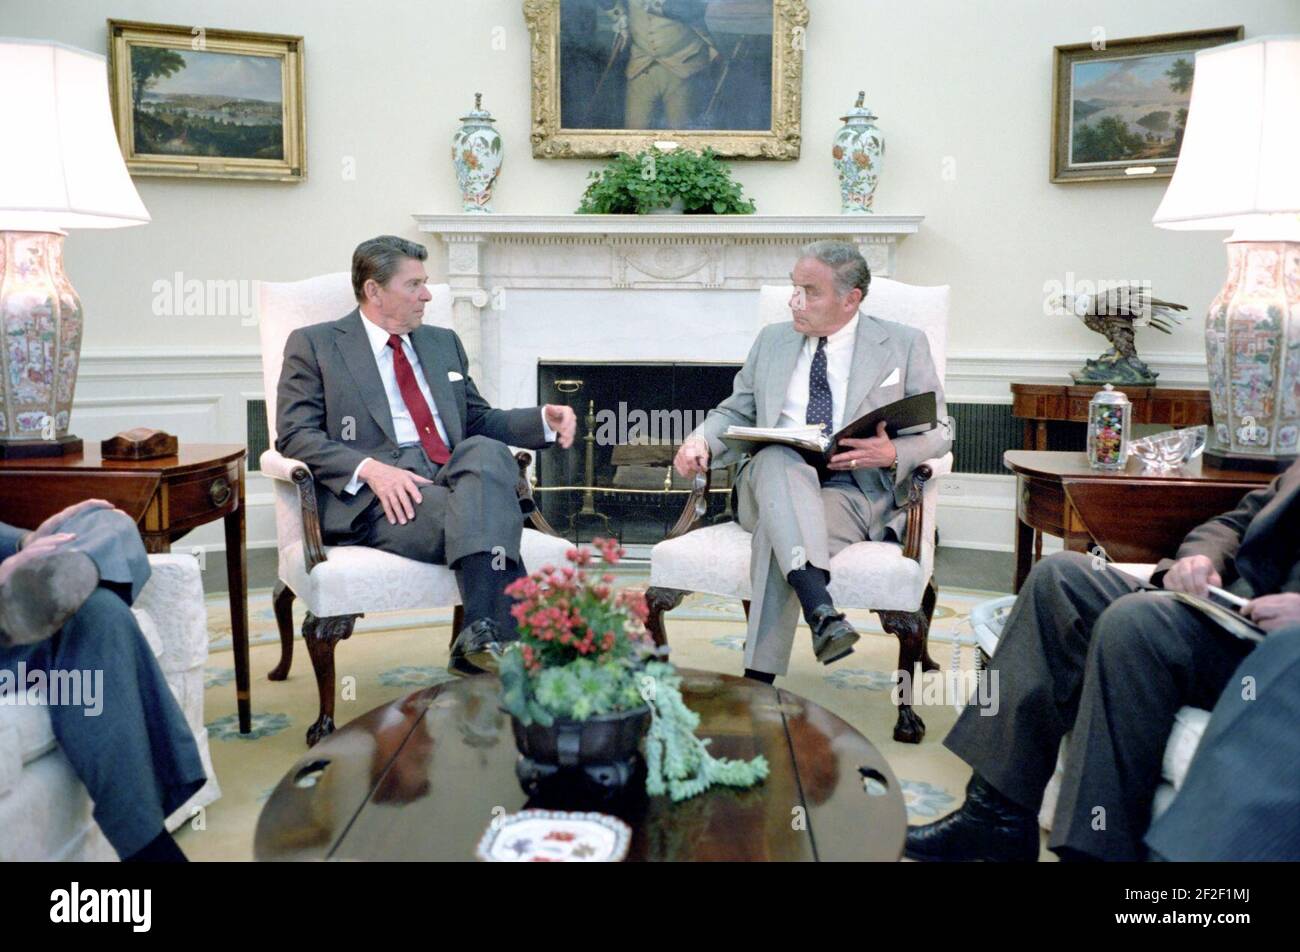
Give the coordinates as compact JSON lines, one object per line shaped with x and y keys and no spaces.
{"x":966,"y":80}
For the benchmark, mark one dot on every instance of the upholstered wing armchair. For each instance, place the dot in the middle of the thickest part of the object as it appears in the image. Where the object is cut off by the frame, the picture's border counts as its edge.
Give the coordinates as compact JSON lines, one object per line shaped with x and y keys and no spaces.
{"x":894,"y":580}
{"x":339,"y":584}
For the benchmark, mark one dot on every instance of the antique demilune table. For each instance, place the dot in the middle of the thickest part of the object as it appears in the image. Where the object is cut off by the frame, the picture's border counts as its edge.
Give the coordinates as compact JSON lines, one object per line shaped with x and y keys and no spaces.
{"x":167,"y":498}
{"x":1135,"y":516}
{"x":423,"y":777}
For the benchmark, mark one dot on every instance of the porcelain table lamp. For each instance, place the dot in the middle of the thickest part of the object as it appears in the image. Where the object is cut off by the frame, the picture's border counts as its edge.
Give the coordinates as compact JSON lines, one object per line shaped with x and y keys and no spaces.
{"x":60,"y":169}
{"x":1239,"y":171}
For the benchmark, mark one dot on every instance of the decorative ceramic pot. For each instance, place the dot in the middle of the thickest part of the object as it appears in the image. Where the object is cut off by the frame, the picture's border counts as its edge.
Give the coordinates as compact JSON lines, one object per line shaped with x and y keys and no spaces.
{"x":41,"y":319}
{"x":1252,"y":344}
{"x":476,"y":153}
{"x":858,"y":151}
{"x":606,"y":749}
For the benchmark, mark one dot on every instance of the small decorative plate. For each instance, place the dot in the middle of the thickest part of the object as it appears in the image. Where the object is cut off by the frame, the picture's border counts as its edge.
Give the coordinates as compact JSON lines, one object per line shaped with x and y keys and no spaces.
{"x":555,"y":836}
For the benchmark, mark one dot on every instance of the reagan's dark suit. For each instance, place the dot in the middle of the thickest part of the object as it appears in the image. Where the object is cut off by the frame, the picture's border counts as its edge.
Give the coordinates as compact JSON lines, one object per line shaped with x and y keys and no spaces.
{"x":332,"y":411}
{"x":1087,"y":651}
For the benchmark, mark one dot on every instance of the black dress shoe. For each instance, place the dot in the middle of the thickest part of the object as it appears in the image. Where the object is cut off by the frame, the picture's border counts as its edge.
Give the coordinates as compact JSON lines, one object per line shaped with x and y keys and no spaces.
{"x":988,"y":828}
{"x":477,"y":646}
{"x":833,"y":637}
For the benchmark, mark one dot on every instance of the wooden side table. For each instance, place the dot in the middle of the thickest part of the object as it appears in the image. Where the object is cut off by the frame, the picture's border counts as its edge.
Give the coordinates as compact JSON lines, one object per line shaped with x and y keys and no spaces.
{"x":1134,"y":516}
{"x":167,"y":497}
{"x":1039,"y":403}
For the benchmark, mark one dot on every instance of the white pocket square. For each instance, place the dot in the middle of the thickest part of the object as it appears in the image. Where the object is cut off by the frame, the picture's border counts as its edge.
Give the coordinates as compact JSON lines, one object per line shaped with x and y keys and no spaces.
{"x":453,"y":375}
{"x":890,"y":380}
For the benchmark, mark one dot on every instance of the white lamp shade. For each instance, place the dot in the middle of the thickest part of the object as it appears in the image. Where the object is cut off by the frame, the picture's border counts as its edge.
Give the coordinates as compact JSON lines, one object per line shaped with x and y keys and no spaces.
{"x":1240,"y":157}
{"x":60,"y":166}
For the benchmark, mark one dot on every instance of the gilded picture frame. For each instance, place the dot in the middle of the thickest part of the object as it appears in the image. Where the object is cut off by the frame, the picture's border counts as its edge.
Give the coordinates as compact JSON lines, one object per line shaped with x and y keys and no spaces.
{"x":193,"y":102}
{"x":613,"y":76}
{"x":1119,"y":106}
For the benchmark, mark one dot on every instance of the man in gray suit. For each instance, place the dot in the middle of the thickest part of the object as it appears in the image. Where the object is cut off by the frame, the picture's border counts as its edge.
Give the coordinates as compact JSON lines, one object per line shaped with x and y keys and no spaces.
{"x":407,"y":456}
{"x":829,"y":366}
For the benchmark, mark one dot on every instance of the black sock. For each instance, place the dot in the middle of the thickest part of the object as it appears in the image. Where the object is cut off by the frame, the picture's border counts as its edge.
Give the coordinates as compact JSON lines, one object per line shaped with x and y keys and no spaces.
{"x":161,"y":849}
{"x":810,"y":585}
{"x":505,"y":602}
{"x":759,"y":676}
{"x":478,"y":584}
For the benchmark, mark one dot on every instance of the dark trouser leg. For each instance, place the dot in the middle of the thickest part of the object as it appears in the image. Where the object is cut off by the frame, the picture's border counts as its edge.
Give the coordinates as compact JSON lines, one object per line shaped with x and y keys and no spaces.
{"x":1039,"y":666}
{"x":137,"y":756}
{"x":471,"y":509}
{"x":1240,"y":800}
{"x":1149,"y":657}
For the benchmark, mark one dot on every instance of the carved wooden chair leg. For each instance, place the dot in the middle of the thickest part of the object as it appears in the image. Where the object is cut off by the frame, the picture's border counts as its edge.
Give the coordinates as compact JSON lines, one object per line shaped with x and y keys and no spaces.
{"x":282,"y":600}
{"x":321,"y":635}
{"x":928,"y":601}
{"x":457,"y":623}
{"x":911,"y":629}
{"x":660,"y":600}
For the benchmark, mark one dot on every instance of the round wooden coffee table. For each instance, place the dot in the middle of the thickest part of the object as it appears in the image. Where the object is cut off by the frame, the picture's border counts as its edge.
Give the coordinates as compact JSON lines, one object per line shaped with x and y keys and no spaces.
{"x":423,"y":777}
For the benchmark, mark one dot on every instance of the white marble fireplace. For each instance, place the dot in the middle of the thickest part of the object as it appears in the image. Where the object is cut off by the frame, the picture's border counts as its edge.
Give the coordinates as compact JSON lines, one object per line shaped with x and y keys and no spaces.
{"x":624,"y":288}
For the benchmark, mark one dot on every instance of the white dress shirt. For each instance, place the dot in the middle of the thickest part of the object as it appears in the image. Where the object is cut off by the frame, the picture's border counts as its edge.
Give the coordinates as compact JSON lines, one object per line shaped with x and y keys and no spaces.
{"x":403,"y":426}
{"x":839,"y":360}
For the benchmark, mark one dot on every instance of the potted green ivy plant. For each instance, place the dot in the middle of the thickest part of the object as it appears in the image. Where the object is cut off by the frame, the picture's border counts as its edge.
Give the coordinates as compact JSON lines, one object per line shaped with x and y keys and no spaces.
{"x":584,"y":687}
{"x":694,"y":183}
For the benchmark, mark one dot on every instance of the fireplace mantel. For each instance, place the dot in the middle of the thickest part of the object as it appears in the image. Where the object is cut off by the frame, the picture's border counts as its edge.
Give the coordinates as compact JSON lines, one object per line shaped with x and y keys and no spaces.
{"x":492,"y":257}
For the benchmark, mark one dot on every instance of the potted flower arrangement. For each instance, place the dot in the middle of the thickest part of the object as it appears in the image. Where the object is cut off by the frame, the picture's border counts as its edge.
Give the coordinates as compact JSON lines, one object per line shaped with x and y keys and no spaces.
{"x":655,"y":180}
{"x":584,"y":688}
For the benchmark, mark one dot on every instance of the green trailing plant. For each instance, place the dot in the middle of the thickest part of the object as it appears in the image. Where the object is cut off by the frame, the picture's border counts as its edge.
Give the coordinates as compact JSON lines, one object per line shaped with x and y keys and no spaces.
{"x":652,"y":179}
{"x":678,"y":762}
{"x":583,"y":652}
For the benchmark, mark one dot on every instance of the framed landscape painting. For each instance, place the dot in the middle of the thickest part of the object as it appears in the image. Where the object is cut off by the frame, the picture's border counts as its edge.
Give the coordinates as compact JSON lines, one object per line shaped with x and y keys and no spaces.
{"x":614,"y":76}
{"x":1120,"y":106}
{"x":199,"y":103}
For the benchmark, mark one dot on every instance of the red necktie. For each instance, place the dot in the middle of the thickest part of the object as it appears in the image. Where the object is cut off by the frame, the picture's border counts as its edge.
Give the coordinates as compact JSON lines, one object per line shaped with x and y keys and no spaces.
{"x":416,"y":405}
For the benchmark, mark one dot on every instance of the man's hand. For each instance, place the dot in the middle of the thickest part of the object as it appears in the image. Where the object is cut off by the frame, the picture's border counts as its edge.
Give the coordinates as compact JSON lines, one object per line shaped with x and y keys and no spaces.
{"x":1272,"y":612}
{"x":398,"y":489}
{"x":46,"y":528}
{"x":692,"y":457}
{"x":35,"y":549}
{"x":1193,"y":575}
{"x":875,"y":451}
{"x":562,"y":420}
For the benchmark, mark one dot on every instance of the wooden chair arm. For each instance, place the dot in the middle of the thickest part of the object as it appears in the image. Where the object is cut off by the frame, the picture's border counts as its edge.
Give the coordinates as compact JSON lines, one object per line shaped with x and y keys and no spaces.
{"x":524,"y":489}
{"x":915,"y":531}
{"x":280,"y":467}
{"x":697,"y":504}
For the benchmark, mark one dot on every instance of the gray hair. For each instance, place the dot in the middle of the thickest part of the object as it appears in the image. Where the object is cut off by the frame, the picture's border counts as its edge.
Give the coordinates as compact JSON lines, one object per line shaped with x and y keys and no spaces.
{"x":379,"y":258}
{"x":847,"y":265}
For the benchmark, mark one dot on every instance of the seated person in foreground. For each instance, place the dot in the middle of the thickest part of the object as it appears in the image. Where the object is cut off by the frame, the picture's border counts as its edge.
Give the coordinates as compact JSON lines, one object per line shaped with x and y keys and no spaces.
{"x":829,"y":367}
{"x":1240,"y":800}
{"x":1087,"y":651}
{"x":406,"y":455}
{"x":65,"y":592}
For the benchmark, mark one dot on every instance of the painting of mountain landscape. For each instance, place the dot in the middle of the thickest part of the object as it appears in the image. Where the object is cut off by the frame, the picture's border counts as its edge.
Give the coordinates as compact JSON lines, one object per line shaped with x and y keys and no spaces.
{"x":203,"y":103}
{"x":1129,"y":109}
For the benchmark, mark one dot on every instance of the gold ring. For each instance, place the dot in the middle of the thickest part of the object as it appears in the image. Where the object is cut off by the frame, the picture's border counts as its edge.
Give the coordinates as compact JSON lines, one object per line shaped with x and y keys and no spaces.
{"x":853,"y":464}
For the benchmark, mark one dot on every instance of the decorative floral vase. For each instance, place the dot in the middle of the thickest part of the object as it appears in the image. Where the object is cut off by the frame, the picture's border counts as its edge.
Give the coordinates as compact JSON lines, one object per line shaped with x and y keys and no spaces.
{"x":476,"y":153}
{"x":41,"y":319}
{"x":858,"y":151}
{"x":1252,"y":343}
